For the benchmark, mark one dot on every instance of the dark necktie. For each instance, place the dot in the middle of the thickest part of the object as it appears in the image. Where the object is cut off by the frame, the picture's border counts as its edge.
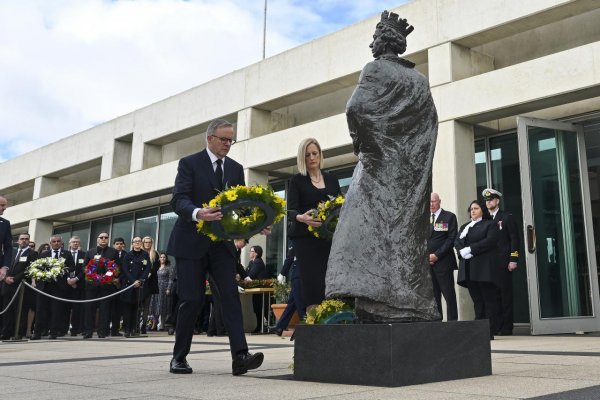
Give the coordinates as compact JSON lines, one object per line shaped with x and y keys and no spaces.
{"x":432,"y":218}
{"x":18,"y":256}
{"x":219,"y":174}
{"x":56,"y":254}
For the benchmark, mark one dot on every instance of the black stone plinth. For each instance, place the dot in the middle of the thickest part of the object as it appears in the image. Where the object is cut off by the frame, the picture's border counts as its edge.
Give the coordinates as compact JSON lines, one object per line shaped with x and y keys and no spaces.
{"x":392,"y":354}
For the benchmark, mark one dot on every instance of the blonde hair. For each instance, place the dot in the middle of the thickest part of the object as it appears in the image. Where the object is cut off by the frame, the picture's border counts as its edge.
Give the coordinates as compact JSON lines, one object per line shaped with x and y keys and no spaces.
{"x":153,"y":253}
{"x":302,"y":154}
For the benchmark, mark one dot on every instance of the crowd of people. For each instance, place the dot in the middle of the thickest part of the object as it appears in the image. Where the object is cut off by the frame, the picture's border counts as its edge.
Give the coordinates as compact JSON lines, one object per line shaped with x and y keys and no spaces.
{"x":486,"y":247}
{"x":82,"y":314}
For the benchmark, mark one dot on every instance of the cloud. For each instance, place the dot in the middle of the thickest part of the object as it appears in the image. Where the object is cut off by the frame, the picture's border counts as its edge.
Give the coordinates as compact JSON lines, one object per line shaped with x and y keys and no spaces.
{"x":68,"y":65}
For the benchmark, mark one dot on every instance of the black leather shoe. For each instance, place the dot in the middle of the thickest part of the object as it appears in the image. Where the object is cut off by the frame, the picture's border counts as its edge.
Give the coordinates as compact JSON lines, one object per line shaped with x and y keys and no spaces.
{"x":87,"y":335}
{"x":171,"y":331}
{"x":4,"y":337}
{"x":247,"y":361}
{"x":116,"y":334}
{"x":101,"y":336}
{"x":277,"y":331}
{"x":180,"y":367}
{"x":52,"y":337}
{"x":35,"y":337}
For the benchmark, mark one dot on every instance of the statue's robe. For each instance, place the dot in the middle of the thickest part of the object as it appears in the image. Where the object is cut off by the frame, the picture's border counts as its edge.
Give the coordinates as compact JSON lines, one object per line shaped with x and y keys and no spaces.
{"x":379,"y":250}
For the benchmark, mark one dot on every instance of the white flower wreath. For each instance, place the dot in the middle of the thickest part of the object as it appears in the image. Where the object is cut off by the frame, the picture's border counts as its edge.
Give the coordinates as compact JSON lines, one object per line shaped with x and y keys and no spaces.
{"x":47,"y":269}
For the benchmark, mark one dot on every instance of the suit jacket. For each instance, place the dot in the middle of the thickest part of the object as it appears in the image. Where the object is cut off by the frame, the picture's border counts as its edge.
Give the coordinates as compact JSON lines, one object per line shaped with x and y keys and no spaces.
{"x":482,"y":238}
{"x":257,"y":269}
{"x":6,"y":249}
{"x":195,"y":185}
{"x":61,"y":282}
{"x":442,"y":235}
{"x":79,"y":261}
{"x":17,"y":271}
{"x":136,"y":266}
{"x":508,"y":239}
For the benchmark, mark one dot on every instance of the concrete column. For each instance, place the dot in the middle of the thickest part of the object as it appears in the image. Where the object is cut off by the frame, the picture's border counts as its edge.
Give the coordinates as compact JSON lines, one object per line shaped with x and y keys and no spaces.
{"x":255,"y":177}
{"x":253,"y":122}
{"x":40,"y":230}
{"x":450,"y":62}
{"x":137,"y":153}
{"x":454,"y":181}
{"x":44,"y":186}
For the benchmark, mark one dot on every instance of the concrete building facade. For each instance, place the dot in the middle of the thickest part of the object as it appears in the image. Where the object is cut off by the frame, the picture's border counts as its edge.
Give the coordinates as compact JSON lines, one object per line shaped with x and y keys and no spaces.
{"x":517,"y":88}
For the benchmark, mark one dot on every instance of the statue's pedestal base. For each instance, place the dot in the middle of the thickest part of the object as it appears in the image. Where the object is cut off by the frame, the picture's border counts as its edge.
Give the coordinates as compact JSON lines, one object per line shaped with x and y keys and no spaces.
{"x":392,"y":354}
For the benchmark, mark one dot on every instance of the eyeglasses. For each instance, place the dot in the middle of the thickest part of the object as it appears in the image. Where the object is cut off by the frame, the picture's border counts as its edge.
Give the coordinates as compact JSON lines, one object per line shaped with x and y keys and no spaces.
{"x":102,"y":237}
{"x":225,"y":140}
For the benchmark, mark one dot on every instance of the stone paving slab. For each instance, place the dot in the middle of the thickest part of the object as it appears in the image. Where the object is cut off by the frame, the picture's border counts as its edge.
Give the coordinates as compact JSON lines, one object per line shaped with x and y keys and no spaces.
{"x":548,"y":368}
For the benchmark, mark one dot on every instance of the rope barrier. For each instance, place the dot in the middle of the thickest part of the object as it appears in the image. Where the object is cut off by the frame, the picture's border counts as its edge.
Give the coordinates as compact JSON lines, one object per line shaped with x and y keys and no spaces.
{"x":13,"y":299}
{"x":79,"y":301}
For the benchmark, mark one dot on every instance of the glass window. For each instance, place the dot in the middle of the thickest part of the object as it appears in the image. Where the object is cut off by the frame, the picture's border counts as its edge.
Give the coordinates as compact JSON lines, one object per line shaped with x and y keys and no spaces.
{"x":275,"y":249}
{"x":167,"y":221}
{"x":83,"y":231}
{"x":146,"y":223}
{"x":98,"y":226}
{"x":592,"y":150}
{"x":122,"y":227}
{"x":480,"y":166}
{"x":64,"y":232}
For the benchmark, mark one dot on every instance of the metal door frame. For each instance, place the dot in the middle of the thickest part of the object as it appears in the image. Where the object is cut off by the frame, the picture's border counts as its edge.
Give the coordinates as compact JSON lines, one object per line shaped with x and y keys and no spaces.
{"x":538,"y":325}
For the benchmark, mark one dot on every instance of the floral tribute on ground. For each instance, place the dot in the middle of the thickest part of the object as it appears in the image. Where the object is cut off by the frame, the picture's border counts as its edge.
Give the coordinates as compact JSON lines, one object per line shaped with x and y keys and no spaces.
{"x":247,"y":210}
{"x":47,"y":269}
{"x":328,"y":212}
{"x":330,"y":311}
{"x":101,"y":271}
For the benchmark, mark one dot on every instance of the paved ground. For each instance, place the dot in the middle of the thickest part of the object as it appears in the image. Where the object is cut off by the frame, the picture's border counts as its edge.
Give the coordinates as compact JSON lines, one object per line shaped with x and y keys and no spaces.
{"x":549,"y":367}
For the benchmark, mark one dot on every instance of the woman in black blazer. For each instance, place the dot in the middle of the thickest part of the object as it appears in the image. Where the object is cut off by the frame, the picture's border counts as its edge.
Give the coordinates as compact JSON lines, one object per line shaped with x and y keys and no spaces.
{"x":257,"y":270}
{"x":306,"y":190}
{"x":136,"y":267}
{"x":476,"y":246}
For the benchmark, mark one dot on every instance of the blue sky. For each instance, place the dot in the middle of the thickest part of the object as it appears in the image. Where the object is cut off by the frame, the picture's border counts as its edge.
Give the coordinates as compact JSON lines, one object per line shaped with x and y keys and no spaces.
{"x":67,"y":65}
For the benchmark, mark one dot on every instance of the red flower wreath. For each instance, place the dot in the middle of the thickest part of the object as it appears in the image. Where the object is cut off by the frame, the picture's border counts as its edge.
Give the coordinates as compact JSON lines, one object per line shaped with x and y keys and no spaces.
{"x":101,"y":271}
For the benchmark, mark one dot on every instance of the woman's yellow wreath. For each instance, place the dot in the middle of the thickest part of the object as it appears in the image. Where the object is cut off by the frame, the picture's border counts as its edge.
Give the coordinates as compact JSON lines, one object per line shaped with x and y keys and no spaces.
{"x":328,"y":212}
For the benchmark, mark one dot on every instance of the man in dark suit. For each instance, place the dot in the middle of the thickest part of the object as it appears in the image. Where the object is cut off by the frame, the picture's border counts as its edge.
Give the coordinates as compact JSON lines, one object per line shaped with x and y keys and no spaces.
{"x":75,"y":287}
{"x":102,"y":250}
{"x":6,"y":248}
{"x":199,"y":178}
{"x":440,"y":244}
{"x":115,"y":307}
{"x":5,"y":245}
{"x":50,"y":313}
{"x":8,"y":288}
{"x":508,"y":256}
{"x":295,"y":303}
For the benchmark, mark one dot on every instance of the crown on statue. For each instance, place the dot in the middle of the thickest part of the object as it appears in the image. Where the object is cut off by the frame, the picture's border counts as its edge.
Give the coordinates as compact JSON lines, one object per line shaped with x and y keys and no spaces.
{"x":394,"y":21}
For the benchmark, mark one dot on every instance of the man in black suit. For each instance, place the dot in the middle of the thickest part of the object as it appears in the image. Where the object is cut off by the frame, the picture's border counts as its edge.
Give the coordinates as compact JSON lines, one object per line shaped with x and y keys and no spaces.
{"x":440,"y":244}
{"x":199,"y":178}
{"x":50,"y":313}
{"x":76,"y":287}
{"x":8,"y":288}
{"x":6,"y":248}
{"x":508,"y":256}
{"x":102,"y":250}
{"x":5,"y":245}
{"x":115,"y":306}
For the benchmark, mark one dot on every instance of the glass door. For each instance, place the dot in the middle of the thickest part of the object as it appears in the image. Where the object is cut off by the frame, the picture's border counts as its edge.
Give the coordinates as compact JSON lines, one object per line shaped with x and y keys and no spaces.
{"x":561,"y":261}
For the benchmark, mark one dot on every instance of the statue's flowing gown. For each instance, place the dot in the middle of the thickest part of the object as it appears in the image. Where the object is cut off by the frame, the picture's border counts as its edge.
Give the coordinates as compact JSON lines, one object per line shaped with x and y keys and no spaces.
{"x":379,"y":250}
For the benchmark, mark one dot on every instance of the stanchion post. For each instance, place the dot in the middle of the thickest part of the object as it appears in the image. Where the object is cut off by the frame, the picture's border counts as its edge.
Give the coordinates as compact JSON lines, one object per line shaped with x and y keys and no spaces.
{"x":19,"y":308}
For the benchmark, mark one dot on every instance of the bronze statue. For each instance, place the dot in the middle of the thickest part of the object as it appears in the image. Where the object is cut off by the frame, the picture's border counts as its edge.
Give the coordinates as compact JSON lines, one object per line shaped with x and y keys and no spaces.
{"x":379,"y":252}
